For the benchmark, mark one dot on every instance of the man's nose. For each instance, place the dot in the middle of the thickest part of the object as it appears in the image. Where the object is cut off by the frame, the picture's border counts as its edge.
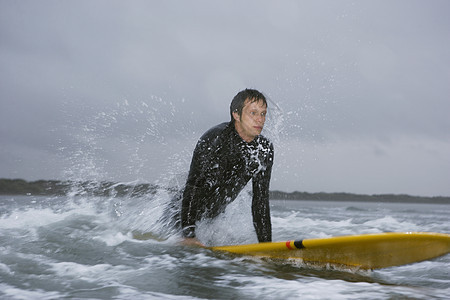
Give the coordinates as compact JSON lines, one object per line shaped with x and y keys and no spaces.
{"x":260,"y":118}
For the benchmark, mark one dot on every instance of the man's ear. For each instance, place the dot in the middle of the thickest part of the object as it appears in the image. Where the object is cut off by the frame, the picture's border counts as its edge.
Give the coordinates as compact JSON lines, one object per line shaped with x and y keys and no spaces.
{"x":236,"y":116}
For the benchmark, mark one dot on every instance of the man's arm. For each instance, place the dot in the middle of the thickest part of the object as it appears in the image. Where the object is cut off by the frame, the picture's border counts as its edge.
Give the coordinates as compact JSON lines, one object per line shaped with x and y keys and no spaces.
{"x":193,"y":196}
{"x":189,"y":205}
{"x":260,"y":202}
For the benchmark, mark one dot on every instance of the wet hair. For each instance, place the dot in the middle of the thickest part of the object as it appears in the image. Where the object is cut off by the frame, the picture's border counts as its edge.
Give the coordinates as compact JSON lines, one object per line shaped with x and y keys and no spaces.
{"x":237,"y":104}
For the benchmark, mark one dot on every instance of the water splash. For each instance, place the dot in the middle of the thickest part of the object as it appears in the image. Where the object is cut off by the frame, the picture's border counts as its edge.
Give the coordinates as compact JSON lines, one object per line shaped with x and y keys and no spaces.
{"x":122,"y":145}
{"x":275,"y":126}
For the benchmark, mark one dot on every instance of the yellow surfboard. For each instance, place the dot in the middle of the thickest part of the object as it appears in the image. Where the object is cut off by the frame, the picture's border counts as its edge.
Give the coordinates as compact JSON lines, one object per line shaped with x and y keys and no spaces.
{"x":366,"y":251}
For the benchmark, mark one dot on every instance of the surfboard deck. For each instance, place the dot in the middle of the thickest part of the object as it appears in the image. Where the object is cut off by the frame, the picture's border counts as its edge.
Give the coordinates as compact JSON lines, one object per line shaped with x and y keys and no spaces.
{"x":365,"y":251}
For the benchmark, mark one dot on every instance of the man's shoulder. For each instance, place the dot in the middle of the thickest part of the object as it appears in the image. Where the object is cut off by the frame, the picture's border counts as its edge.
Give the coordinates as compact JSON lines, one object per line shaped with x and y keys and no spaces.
{"x":215,"y":131}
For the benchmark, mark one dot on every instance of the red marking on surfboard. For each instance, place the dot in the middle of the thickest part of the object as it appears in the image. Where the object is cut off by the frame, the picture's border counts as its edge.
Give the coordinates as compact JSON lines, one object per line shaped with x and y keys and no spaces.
{"x":288,"y":245}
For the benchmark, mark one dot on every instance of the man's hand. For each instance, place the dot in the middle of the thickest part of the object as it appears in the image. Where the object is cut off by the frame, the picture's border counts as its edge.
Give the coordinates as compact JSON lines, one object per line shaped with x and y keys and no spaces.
{"x":192,"y":242}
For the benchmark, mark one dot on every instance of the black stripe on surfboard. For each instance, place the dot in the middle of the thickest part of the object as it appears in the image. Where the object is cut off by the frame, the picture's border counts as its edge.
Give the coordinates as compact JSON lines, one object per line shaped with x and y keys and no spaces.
{"x":299,"y":244}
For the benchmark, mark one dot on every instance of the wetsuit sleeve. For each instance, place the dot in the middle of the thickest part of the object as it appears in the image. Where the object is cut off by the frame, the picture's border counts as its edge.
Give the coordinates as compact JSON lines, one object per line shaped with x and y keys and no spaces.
{"x":260,"y":202}
{"x":190,"y":207}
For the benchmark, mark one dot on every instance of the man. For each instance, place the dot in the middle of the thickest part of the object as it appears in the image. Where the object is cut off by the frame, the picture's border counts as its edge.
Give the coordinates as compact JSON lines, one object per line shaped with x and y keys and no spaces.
{"x":225,"y":159}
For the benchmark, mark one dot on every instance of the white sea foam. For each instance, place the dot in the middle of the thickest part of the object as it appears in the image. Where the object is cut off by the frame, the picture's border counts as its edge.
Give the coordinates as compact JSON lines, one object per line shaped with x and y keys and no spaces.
{"x":316,"y":288}
{"x":132,"y":293}
{"x":88,"y":273}
{"x":389,"y":223}
{"x":112,"y":238}
{"x":120,"y":266}
{"x":300,"y":226}
{"x":31,"y":218}
{"x":4,"y":268}
{"x":306,"y":288}
{"x":11,"y":292}
{"x":164,"y":261}
{"x":142,"y":214}
{"x":234,"y":226}
{"x":38,"y":216}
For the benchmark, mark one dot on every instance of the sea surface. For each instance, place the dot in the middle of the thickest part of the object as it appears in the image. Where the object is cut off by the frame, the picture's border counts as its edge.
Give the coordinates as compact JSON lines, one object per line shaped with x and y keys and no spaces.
{"x":82,"y":247}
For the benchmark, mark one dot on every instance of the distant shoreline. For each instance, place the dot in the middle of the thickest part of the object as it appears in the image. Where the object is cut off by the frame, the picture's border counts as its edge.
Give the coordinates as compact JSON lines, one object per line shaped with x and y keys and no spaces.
{"x":348,"y":197}
{"x":111,"y":189}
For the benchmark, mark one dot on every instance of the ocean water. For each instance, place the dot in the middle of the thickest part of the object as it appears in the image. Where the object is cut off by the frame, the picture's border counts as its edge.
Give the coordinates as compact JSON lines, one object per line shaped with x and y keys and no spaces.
{"x":81,"y":247}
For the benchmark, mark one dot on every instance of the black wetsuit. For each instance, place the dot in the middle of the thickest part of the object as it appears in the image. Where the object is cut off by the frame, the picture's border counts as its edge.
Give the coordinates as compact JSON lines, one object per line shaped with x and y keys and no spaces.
{"x":222,"y":164}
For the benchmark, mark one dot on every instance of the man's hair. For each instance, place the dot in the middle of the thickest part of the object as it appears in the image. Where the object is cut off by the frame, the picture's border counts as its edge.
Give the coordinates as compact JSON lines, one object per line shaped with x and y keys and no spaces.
{"x":239,"y":100}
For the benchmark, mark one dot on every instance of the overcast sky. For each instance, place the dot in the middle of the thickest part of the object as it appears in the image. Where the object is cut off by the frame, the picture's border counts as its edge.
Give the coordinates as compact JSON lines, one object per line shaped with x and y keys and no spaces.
{"x":122,"y":90}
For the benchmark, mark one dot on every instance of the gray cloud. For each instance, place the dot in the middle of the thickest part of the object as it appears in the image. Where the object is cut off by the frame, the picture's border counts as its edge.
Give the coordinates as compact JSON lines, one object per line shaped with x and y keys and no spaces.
{"x":127,"y":88}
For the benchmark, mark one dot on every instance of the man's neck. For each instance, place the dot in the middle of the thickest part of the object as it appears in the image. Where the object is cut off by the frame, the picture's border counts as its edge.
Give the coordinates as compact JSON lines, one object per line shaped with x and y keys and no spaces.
{"x":239,"y":132}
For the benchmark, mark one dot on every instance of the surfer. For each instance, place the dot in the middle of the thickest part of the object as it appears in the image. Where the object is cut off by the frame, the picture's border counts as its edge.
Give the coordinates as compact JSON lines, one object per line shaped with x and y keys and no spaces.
{"x":225,"y":158}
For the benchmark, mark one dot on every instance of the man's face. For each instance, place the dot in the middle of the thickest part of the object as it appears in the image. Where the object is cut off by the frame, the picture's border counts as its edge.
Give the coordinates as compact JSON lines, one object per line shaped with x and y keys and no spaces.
{"x":251,"y":122}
